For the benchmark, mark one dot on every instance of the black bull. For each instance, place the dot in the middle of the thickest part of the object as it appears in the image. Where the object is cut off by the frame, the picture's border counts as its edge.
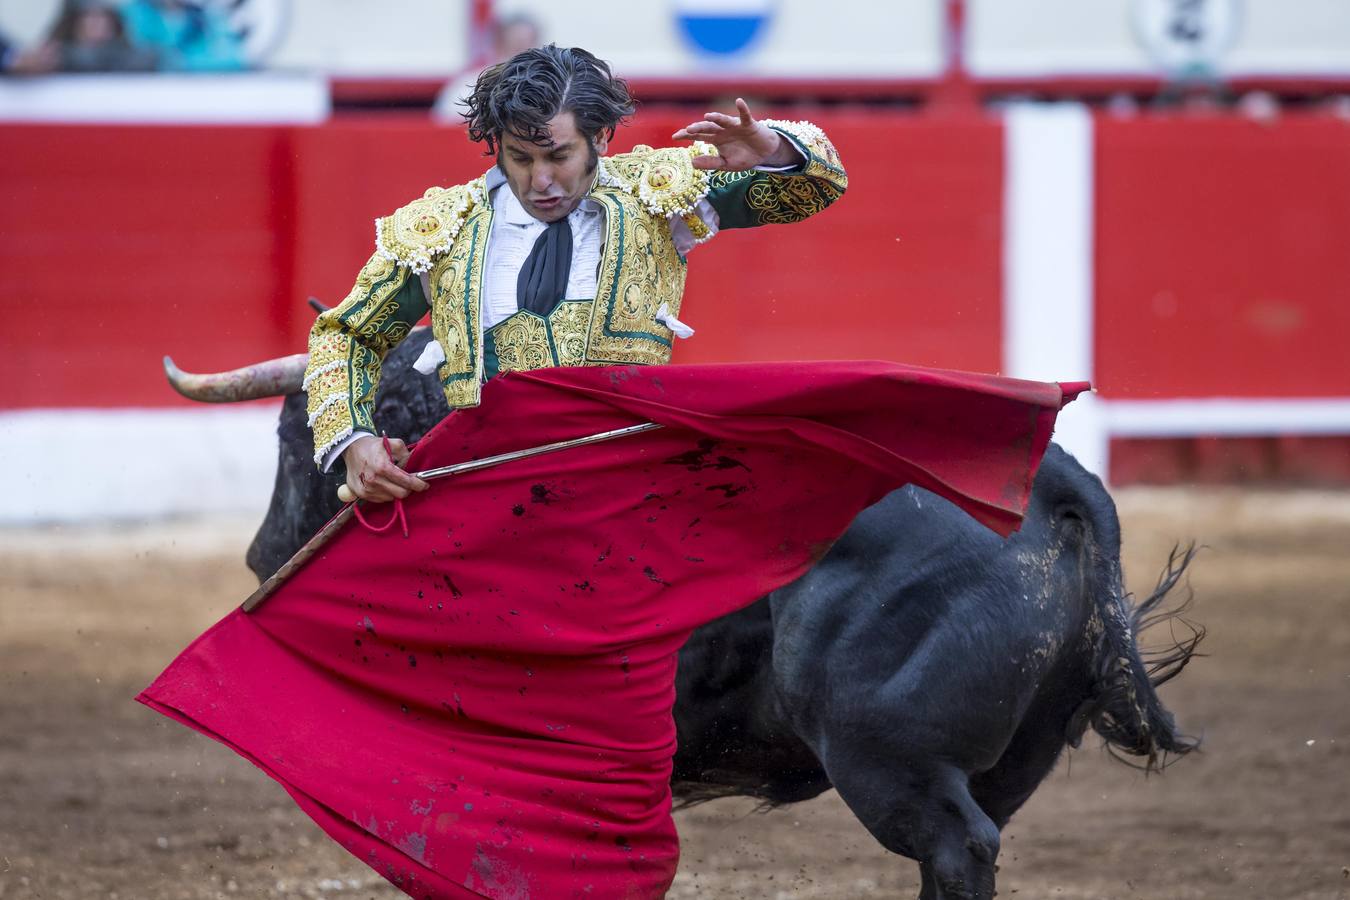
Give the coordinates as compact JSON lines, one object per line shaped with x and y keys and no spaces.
{"x":928,"y":670}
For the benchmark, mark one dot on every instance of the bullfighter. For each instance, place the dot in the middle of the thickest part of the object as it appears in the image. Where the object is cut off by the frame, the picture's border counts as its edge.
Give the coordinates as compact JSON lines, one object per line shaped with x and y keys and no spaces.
{"x":558,"y":256}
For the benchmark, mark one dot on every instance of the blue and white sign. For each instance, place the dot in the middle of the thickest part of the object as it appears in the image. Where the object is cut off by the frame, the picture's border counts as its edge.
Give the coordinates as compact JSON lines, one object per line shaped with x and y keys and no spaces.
{"x":723,"y":27}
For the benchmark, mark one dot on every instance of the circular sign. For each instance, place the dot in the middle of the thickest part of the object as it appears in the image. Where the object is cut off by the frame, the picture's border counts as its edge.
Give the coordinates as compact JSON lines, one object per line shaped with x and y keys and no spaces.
{"x":722,"y":28}
{"x":1187,"y":37}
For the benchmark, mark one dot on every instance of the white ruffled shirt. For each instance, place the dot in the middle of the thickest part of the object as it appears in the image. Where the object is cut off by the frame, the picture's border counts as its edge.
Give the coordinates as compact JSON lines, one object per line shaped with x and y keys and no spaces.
{"x":514,"y":232}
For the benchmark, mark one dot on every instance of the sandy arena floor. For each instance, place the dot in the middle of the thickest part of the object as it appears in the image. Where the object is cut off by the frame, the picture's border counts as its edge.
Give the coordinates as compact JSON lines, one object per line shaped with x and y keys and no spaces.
{"x":100,"y":798}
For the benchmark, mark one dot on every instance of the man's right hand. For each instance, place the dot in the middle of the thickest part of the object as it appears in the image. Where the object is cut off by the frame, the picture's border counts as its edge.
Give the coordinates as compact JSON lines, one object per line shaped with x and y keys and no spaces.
{"x":376,"y":476}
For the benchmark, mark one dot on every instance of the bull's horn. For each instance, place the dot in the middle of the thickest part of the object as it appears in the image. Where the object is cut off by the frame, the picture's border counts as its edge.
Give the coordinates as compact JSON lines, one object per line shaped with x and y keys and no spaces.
{"x":272,"y":378}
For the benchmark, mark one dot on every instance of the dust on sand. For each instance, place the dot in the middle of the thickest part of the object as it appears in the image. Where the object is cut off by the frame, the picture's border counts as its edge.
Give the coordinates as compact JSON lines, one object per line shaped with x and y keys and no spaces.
{"x":101,"y":798}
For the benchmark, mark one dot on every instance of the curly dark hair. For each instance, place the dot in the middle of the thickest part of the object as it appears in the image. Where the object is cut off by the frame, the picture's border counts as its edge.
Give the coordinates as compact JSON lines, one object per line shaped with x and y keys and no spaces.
{"x":523,"y":94}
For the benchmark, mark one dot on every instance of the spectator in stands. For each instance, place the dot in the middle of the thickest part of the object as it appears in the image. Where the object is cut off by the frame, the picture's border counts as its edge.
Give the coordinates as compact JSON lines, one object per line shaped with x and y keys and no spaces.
{"x":89,"y":36}
{"x":188,"y":37}
{"x":509,"y":36}
{"x":8,"y":52}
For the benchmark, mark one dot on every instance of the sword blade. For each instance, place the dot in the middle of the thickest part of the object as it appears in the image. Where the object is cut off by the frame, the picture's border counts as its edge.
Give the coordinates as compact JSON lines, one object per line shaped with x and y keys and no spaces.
{"x":489,"y":461}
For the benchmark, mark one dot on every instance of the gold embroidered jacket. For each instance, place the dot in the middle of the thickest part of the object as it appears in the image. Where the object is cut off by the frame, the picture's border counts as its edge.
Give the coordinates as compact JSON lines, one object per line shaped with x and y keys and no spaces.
{"x":430,"y":256}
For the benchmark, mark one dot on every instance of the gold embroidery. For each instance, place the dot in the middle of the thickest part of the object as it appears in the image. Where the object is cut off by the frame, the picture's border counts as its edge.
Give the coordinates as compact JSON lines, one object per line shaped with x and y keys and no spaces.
{"x":664,"y":180}
{"x":823,"y":159}
{"x":570,"y":323}
{"x":447,"y":280}
{"x":459,"y":394}
{"x":728,"y":178}
{"x":640,"y":270}
{"x":697,"y":227}
{"x":375,"y":270}
{"x":785,"y":200}
{"x":456,"y":283}
{"x":521,"y":343}
{"x":345,"y":347}
{"x":373,"y":327}
{"x":419,"y":232}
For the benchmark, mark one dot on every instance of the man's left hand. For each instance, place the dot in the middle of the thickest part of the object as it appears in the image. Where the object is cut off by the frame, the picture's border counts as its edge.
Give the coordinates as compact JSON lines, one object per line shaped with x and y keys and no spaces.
{"x":741,"y":142}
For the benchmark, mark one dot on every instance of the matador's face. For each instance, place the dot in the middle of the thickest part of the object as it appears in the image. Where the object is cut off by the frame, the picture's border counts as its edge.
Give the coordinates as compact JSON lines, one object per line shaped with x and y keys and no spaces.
{"x":550,"y":179}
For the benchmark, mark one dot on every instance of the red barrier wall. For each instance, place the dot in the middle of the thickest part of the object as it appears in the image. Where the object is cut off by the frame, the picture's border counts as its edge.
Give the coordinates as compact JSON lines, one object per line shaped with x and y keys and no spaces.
{"x":122,"y":244}
{"x":1222,"y":263}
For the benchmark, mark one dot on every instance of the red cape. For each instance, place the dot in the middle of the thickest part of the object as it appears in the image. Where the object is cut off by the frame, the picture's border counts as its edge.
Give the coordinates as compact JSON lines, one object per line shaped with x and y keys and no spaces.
{"x":484,"y":708}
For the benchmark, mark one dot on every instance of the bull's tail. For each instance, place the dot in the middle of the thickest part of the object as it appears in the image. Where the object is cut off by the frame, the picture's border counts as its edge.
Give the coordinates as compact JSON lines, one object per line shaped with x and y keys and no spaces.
{"x":1124,"y":707}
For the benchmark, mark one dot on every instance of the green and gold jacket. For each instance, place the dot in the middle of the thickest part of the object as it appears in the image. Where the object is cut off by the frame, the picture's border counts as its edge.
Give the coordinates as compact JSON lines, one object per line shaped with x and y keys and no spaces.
{"x":429,"y":257}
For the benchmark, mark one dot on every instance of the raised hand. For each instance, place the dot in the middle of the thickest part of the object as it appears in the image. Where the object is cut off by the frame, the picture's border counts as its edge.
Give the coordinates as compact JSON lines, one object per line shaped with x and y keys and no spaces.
{"x":741,"y":142}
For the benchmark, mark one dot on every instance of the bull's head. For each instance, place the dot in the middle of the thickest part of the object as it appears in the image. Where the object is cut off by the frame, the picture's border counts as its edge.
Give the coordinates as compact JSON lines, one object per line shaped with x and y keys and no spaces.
{"x":304,"y":498}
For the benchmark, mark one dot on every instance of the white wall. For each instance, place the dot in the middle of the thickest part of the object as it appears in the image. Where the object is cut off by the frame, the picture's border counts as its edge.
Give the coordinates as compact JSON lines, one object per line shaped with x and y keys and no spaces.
{"x":250,"y":98}
{"x":27,"y":21}
{"x":412,"y":38}
{"x":1033,"y":38}
{"x":801,"y":38}
{"x":74,"y":465}
{"x":1293,"y":36}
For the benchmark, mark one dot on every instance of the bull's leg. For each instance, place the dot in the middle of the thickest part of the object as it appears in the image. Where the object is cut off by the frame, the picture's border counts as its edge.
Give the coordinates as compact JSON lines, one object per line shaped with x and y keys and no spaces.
{"x":1035,"y":747}
{"x":1002,"y":790}
{"x":928,"y":815}
{"x":928,"y":889}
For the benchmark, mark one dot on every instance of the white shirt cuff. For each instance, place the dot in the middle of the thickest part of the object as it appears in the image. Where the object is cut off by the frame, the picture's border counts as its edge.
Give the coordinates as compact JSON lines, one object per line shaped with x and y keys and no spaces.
{"x":683,"y":237}
{"x":336,"y":450}
{"x":801,"y":151}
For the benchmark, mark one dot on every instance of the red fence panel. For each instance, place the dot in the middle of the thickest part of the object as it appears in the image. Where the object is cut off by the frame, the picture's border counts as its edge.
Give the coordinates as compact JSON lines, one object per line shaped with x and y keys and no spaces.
{"x":1222,"y":268}
{"x":122,"y":244}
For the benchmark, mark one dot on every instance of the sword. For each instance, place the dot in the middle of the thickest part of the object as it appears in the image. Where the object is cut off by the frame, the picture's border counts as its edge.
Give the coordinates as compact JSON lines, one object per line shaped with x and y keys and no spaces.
{"x":324,"y":534}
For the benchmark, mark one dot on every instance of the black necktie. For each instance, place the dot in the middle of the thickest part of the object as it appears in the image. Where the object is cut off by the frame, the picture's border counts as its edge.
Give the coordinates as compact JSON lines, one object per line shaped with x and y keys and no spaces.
{"x":543,"y":279}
